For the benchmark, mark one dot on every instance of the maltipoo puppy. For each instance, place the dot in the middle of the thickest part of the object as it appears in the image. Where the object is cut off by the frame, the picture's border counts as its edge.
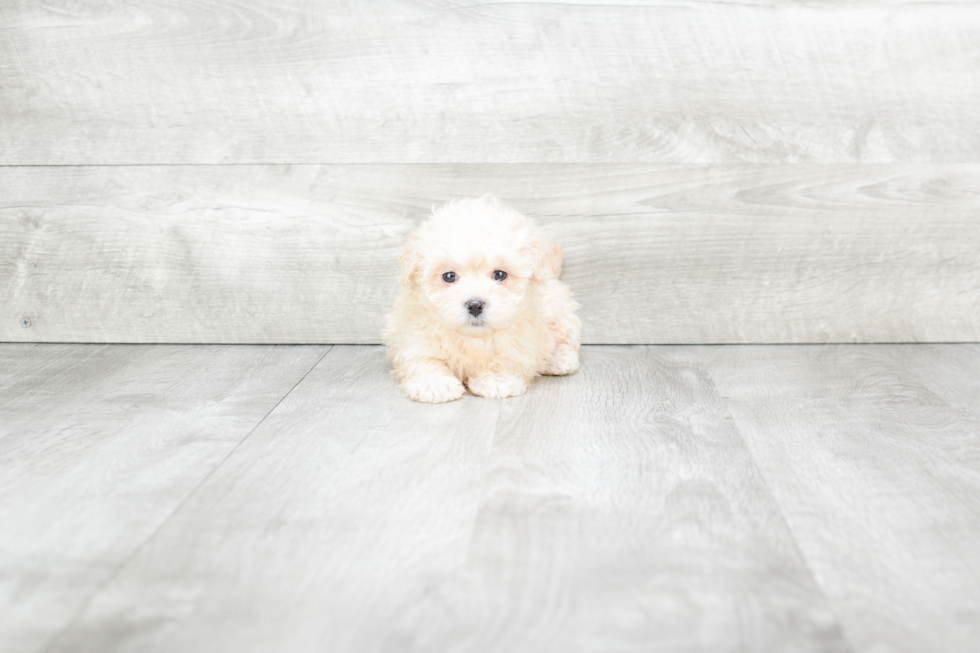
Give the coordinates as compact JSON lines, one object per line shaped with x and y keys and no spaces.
{"x":480,"y":305}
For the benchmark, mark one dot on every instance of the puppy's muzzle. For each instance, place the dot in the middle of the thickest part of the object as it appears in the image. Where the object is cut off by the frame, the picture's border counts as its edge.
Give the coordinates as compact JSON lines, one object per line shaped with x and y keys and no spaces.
{"x":475,"y":307}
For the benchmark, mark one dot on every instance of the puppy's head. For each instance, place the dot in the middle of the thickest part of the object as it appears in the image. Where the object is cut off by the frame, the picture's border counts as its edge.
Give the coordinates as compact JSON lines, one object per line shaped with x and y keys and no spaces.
{"x":474,"y":261}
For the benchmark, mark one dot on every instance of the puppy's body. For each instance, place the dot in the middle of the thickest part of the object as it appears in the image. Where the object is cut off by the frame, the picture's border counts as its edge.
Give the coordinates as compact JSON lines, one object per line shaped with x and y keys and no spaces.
{"x":480,"y":304}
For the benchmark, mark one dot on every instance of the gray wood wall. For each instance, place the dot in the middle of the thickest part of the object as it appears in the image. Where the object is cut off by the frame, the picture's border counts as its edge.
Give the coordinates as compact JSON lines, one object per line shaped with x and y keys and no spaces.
{"x":770,"y":171}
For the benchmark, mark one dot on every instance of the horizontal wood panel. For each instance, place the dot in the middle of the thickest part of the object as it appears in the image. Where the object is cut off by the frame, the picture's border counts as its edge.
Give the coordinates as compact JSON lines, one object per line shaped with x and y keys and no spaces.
{"x":296,"y":81}
{"x":655,"y":254}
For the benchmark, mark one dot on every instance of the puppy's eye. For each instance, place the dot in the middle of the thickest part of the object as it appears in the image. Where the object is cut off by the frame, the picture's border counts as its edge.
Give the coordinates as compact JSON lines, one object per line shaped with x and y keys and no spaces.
{"x":449,"y":277}
{"x":499,"y":275}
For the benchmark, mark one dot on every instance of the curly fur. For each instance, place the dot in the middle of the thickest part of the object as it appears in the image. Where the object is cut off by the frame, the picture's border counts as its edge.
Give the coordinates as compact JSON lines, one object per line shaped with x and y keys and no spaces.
{"x":527,"y":326}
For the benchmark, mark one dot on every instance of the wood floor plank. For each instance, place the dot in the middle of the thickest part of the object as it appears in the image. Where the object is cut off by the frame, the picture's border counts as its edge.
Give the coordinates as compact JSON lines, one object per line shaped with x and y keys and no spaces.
{"x":873,"y":453}
{"x":615,"y":510}
{"x":294,"y":81}
{"x":346,"y":505}
{"x":655,"y":254}
{"x":622,"y":512}
{"x":98,"y":446}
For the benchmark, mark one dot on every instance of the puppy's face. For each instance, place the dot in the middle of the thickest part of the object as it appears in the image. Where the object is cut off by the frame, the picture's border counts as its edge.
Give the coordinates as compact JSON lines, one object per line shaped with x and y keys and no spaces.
{"x":474,"y":294}
{"x":474,"y":262}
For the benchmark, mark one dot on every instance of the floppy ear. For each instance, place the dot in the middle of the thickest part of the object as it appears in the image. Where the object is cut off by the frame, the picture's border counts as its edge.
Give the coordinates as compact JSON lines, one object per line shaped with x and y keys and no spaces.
{"x":547,"y":259}
{"x":409,"y":260}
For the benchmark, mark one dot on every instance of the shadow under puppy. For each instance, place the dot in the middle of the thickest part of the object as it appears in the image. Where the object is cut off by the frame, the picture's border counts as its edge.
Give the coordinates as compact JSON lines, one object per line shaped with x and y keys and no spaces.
{"x":480,"y":304}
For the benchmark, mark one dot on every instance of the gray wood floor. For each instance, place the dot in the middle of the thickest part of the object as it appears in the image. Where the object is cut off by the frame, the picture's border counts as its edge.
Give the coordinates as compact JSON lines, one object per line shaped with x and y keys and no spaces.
{"x":288,"y":498}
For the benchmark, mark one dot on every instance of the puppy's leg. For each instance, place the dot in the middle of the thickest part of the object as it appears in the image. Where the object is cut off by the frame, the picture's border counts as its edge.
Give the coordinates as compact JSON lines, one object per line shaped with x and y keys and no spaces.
{"x":497,"y":385}
{"x":564,"y":360}
{"x":430,"y":382}
{"x":503,"y":378}
{"x":564,"y":329}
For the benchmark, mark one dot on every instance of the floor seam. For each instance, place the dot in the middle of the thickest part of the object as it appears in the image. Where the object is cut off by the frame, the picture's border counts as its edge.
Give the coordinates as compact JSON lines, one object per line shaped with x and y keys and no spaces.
{"x":848,"y":646}
{"x":156,"y":531}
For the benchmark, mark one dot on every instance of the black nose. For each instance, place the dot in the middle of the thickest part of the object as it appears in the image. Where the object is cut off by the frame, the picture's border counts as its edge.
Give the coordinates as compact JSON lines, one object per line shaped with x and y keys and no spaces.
{"x":475,"y":307}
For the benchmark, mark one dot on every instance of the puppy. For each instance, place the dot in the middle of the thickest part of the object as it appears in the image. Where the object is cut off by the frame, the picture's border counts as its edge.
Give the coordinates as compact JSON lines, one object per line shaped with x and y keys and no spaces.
{"x":480,"y":306}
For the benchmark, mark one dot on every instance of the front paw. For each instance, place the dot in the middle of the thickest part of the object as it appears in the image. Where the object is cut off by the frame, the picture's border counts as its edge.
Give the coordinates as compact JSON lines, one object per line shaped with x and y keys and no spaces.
{"x":563,"y":361}
{"x":433,"y":388}
{"x":497,"y":386}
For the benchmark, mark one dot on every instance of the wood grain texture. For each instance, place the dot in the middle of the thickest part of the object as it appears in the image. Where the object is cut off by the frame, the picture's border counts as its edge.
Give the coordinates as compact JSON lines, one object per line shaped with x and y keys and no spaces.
{"x":873,"y":453}
{"x":616,"y":510}
{"x":622,"y":512}
{"x":403,"y":81}
{"x":655,"y":254}
{"x":339,"y":512}
{"x":98,"y":446}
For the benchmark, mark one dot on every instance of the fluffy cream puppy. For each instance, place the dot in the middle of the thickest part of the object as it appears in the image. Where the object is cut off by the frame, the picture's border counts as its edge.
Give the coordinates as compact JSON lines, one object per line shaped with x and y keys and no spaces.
{"x":480,"y":305}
